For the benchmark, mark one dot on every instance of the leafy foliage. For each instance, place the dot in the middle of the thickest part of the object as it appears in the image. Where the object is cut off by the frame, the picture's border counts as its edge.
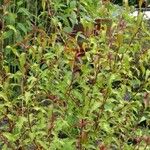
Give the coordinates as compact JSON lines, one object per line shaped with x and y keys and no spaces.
{"x":73,"y":75}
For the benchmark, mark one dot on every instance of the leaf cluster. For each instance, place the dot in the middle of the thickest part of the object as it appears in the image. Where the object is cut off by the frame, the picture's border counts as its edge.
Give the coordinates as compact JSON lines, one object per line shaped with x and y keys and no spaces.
{"x":73,"y":75}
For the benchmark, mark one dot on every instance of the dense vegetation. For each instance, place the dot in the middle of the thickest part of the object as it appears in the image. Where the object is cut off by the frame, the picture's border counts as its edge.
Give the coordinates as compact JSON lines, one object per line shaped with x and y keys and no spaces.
{"x":74,"y":74}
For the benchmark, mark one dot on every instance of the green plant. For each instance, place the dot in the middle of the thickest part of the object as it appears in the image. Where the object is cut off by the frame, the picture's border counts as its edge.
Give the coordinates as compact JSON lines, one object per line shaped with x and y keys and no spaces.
{"x":67,"y":88}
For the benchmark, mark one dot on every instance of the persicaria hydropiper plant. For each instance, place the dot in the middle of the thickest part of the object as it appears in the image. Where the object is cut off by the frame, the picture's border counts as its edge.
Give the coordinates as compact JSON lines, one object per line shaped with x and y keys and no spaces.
{"x":74,"y":74}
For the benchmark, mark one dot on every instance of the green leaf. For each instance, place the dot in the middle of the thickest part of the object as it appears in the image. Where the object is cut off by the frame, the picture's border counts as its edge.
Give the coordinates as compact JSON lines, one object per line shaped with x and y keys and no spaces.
{"x":22,"y":60}
{"x":32,"y":136}
{"x":27,"y":97}
{"x":22,"y":27}
{"x":67,"y":29}
{"x":7,"y":34}
{"x":147,"y":74}
{"x":11,"y":27}
{"x":142,"y":67}
{"x":10,"y":137}
{"x":10,"y":18}
{"x":105,"y":126}
{"x":142,"y":119}
{"x":112,"y":78}
{"x":3,"y":96}
{"x":120,"y":38}
{"x":40,"y":109}
{"x":43,"y":144}
{"x":43,"y":4}
{"x":19,"y":3}
{"x":24,"y":11}
{"x":14,"y":50}
{"x":95,"y":106}
{"x":68,"y":145}
{"x":139,"y":19}
{"x":20,"y":122}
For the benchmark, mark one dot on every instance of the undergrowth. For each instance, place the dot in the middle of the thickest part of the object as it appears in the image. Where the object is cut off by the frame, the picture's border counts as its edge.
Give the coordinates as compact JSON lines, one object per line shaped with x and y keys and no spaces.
{"x":73,"y":75}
